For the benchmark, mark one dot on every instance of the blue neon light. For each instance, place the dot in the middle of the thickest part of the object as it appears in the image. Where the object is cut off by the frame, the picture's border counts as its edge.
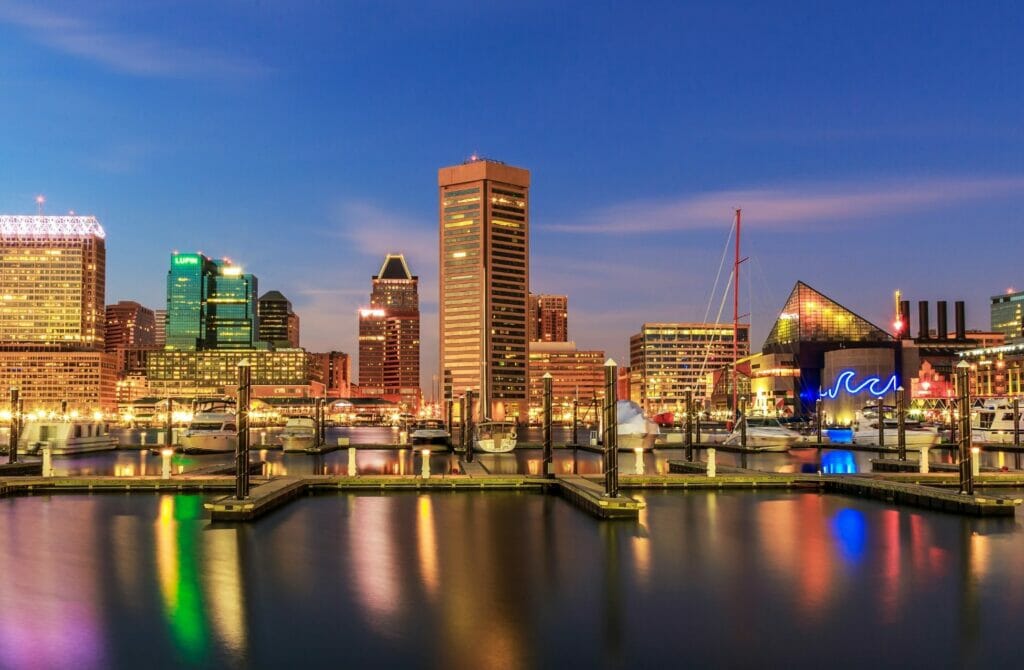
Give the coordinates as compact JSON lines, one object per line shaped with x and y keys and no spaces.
{"x":873,"y":385}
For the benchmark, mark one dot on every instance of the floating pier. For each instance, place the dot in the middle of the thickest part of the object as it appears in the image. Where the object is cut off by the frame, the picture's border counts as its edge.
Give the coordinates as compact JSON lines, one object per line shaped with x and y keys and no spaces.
{"x":262,"y":499}
{"x":27,"y":469}
{"x":591,"y":497}
{"x":928,"y":497}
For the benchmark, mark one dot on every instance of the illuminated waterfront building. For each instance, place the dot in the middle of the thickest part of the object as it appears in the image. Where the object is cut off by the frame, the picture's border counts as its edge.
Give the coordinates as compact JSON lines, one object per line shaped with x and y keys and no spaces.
{"x":52,"y":320}
{"x":231,"y":321}
{"x":213,"y":372}
{"x":576,"y":375}
{"x":668,"y":359}
{"x":160,"y":332}
{"x":1008,"y":314}
{"x":548,"y":318}
{"x":188,"y":285}
{"x":389,"y":335}
{"x":484,"y":282}
{"x":279,"y":325}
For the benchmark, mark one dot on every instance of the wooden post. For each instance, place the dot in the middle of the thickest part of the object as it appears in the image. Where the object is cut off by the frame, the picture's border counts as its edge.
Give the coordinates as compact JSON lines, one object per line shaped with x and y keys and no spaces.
{"x":611,"y":430}
{"x":242,"y":428}
{"x":881,"y":423}
{"x":12,"y":453}
{"x":964,"y":402}
{"x":742,"y":418}
{"x":901,"y":424}
{"x":1016,"y":432}
{"x":688,"y":438}
{"x":817,"y":420}
{"x":575,"y":420}
{"x":169,"y":424}
{"x":547,"y":468}
{"x":467,"y":424}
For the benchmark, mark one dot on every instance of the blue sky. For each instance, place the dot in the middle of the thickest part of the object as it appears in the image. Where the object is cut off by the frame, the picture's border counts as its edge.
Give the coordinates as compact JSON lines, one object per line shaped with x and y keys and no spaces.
{"x":872,"y":146}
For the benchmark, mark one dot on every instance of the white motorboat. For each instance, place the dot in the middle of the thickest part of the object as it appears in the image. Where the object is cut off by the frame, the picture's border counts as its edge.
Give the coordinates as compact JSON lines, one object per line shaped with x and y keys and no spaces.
{"x":210,"y":433}
{"x":635,"y":431}
{"x":764,"y":433}
{"x":992,"y":423}
{"x":865,"y":429}
{"x":429,"y":431}
{"x":75,"y":436}
{"x":298,"y":434}
{"x":495,"y":437}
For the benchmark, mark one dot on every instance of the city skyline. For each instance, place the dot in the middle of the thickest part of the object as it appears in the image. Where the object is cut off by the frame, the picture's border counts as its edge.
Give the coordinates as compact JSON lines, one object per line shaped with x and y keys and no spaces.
{"x":826,"y":168}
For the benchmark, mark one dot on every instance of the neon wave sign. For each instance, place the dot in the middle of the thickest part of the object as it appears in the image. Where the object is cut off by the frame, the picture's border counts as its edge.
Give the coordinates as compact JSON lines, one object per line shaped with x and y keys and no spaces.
{"x":872,"y":385}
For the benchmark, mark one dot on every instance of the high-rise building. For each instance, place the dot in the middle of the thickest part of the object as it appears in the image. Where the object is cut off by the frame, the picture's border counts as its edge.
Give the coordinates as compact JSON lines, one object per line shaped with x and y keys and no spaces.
{"x":668,"y":359}
{"x":129,"y":325}
{"x":484,"y":282}
{"x":333,"y":370}
{"x":52,"y":320}
{"x":1008,"y":314}
{"x":279,"y":325}
{"x":548,"y":318}
{"x":160,"y":333}
{"x":576,"y":375}
{"x":389,"y":334}
{"x":211,"y":304}
{"x":53,"y":274}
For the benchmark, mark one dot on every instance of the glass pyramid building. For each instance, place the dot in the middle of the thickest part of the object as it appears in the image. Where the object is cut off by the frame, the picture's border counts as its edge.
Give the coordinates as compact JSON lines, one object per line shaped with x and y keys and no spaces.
{"x":812,"y":317}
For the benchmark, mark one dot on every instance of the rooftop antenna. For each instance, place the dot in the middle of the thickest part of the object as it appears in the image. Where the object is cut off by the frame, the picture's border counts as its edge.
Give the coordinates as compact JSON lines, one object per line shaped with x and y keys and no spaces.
{"x":40,"y":201}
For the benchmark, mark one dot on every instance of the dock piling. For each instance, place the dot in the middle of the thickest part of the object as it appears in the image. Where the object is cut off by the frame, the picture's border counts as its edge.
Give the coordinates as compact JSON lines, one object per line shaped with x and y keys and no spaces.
{"x":12,"y":452}
{"x":817,"y":420}
{"x":611,"y":429}
{"x":901,"y":425}
{"x":688,"y":436}
{"x":165,"y":463}
{"x":1016,"y":432}
{"x":169,"y":424}
{"x":743,"y":430}
{"x":425,"y":464}
{"x":963,"y":371}
{"x":467,"y":425}
{"x":352,"y":472}
{"x":548,"y":457}
{"x":923,"y":464}
{"x":881,"y":424}
{"x":47,"y":460}
{"x":242,"y":428}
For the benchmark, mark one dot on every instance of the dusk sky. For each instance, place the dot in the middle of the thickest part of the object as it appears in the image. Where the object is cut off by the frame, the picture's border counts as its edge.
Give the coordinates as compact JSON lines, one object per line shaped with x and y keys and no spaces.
{"x":872,"y":147}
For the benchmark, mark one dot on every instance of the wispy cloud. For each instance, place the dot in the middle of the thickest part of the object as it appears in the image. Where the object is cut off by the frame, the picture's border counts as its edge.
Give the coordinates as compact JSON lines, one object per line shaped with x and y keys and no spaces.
{"x":122,"y":51}
{"x":788,"y":207}
{"x":376,"y":231}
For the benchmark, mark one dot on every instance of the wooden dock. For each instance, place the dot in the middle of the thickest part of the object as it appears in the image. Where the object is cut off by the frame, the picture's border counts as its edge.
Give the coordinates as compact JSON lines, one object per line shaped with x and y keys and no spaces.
{"x":928,"y":497}
{"x":896,"y":465}
{"x":262,"y":499}
{"x":590,"y":497}
{"x":29,"y":469}
{"x":220,"y":469}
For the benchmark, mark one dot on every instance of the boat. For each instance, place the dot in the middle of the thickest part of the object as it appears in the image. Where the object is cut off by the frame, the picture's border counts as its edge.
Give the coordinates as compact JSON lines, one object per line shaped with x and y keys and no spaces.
{"x":298,"y":434}
{"x":74,"y":436}
{"x":992,"y":423}
{"x":635,"y":431}
{"x":210,"y":432}
{"x":495,"y":437}
{"x":429,"y":431}
{"x":764,"y":433}
{"x":865,"y":428}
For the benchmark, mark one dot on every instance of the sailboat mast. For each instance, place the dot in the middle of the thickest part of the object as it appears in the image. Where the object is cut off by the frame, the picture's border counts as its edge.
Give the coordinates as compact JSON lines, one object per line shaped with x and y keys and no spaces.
{"x":736,"y":318}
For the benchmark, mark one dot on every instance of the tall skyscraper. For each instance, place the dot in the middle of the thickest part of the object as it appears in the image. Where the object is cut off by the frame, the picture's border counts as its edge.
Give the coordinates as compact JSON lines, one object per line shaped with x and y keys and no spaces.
{"x":279,"y":325}
{"x":484,"y":282}
{"x":53,"y":274}
{"x":548,"y":318}
{"x":129,"y":326}
{"x":211,"y":304}
{"x":1008,"y":314}
{"x":52,"y":319}
{"x":389,"y":334}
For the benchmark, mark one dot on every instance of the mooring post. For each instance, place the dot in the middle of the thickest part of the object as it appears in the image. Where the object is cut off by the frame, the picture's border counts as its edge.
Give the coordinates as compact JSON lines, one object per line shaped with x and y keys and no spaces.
{"x":901,"y":424}
{"x":1016,"y":432}
{"x":575,"y":421}
{"x":975,"y":462}
{"x":448,"y":424}
{"x":467,"y":423}
{"x":964,"y":402}
{"x":462,"y":424}
{"x":352,"y":471}
{"x":923,"y":463}
{"x":316,"y":423}
{"x":242,"y":428}
{"x":817,"y":421}
{"x":953,"y":407}
{"x":742,"y":418}
{"x":425,"y":463}
{"x":165,"y":463}
{"x":688,"y":436}
{"x":12,"y":449}
{"x":169,"y":425}
{"x":611,"y":430}
{"x":696,"y":429}
{"x":47,"y":459}
{"x":881,"y":425}
{"x":712,"y":466}
{"x":548,"y":468}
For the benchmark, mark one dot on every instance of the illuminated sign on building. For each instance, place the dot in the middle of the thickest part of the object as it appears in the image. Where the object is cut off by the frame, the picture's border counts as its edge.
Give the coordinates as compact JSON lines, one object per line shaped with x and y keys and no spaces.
{"x":872,"y":385}
{"x":186,"y":260}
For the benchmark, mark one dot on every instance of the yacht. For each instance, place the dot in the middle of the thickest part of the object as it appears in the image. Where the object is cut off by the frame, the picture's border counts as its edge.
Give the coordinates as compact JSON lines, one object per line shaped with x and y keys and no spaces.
{"x":865,"y":428}
{"x":764,"y":433}
{"x":495,"y":437}
{"x":635,"y":431}
{"x":210,"y":433}
{"x":992,"y":423}
{"x":298,"y":434}
{"x":75,"y":436}
{"x":429,"y":431}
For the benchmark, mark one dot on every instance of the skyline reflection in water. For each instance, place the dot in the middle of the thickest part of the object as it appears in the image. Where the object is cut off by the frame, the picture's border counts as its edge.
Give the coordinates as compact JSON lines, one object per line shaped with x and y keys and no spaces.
{"x":498,"y":580}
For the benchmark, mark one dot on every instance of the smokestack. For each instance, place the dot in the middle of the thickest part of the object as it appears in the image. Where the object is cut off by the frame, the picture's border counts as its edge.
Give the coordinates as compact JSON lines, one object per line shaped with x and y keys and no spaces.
{"x":922,"y":319}
{"x":941,"y":324}
{"x":905,"y":318}
{"x":961,"y":324}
